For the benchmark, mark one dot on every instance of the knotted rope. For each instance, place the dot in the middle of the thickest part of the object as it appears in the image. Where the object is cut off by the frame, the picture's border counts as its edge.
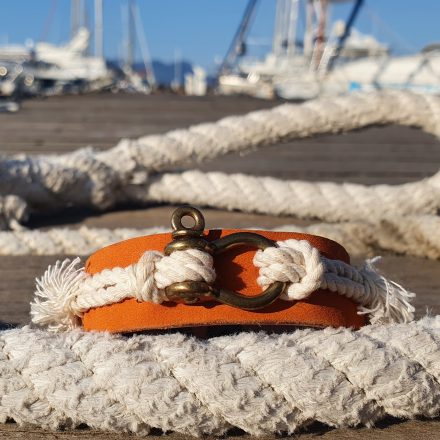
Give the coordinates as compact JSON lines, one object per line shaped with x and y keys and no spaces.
{"x":66,"y":291}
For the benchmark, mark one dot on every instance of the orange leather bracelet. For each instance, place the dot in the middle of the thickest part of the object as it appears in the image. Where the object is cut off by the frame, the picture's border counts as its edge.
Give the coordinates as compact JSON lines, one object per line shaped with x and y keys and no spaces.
{"x":235,"y":271}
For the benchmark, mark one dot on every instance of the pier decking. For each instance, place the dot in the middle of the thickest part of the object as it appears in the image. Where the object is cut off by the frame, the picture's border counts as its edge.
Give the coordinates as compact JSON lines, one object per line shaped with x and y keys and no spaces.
{"x":373,"y":155}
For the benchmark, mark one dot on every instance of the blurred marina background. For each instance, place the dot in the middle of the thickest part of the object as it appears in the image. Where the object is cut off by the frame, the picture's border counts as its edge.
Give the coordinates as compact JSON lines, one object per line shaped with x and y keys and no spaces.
{"x":288,"y":49}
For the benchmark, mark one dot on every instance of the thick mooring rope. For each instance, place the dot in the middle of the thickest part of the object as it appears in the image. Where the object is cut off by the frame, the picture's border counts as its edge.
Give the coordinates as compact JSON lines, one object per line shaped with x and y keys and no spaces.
{"x":64,"y":241}
{"x":254,"y":381}
{"x":313,"y":200}
{"x":413,"y":235}
{"x":132,"y":171}
{"x":400,"y":218}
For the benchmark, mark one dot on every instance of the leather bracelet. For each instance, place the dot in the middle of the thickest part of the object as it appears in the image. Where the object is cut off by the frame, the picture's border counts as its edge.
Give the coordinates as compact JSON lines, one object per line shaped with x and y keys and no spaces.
{"x":236,"y":274}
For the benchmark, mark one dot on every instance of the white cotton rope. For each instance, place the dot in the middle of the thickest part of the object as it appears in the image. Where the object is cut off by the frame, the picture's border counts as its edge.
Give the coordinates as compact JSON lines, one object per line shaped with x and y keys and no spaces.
{"x":258,"y":382}
{"x":56,"y":241}
{"x":132,"y":170}
{"x":326,"y":201}
{"x":66,"y":291}
{"x":13,"y":212}
{"x":409,"y":235}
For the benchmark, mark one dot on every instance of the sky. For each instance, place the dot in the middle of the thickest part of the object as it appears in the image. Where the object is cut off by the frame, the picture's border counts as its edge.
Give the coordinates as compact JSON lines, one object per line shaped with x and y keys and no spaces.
{"x":201,"y":30}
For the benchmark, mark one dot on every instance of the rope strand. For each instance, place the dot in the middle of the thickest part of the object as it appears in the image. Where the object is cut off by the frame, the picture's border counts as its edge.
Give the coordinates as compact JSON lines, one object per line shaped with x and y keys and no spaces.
{"x":410,"y":235}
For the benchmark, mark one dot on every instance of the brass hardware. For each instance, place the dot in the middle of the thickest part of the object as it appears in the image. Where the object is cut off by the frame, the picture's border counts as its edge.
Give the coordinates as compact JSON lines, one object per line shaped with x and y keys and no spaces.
{"x":189,"y":291}
{"x":192,"y":237}
{"x":187,"y":238}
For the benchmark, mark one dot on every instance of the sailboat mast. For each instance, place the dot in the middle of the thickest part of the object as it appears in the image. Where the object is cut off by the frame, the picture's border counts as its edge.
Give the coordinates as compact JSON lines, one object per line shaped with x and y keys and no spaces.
{"x":322,"y":8}
{"x":286,"y":25}
{"x":277,"y":38}
{"x":145,"y":52}
{"x":238,"y":42}
{"x":308,"y":36}
{"x":74,"y":17}
{"x":78,"y":16}
{"x":348,"y":25}
{"x":129,"y":36}
{"x":99,"y":36}
{"x":293,"y":22}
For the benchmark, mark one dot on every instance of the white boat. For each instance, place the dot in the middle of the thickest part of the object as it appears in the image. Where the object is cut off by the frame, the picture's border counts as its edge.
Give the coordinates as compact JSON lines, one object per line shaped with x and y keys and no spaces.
{"x":418,"y":73}
{"x":330,"y":58}
{"x":62,"y":64}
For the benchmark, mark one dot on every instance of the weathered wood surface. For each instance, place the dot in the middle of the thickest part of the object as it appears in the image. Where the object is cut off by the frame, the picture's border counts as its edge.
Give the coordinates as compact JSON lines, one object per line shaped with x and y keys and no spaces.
{"x":387,"y":430}
{"x":372,"y":155}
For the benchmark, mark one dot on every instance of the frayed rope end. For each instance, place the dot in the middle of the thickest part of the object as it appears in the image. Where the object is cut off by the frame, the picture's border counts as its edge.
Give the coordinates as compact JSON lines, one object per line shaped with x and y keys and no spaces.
{"x":390,"y":302}
{"x":55,"y":292}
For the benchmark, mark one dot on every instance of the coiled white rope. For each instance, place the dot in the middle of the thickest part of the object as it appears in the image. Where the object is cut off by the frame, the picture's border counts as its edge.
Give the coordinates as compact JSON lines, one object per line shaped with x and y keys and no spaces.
{"x":65,"y":290}
{"x":131,"y":171}
{"x":13,"y":212}
{"x":254,"y":381}
{"x":317,"y":200}
{"x":410,"y":235}
{"x":64,"y":241}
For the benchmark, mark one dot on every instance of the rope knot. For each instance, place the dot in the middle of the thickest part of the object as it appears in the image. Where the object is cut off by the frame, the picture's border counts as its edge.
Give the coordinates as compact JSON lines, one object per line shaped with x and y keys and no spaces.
{"x":294,"y":261}
{"x":141,"y":278}
{"x":187,"y":265}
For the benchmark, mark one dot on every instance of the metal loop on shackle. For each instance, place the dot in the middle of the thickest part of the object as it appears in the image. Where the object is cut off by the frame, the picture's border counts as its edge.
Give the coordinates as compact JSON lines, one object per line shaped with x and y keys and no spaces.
{"x":192,"y":237}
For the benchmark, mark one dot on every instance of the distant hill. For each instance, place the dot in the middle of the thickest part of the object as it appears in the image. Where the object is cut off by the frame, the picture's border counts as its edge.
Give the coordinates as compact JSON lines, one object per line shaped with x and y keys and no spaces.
{"x":165,"y":72}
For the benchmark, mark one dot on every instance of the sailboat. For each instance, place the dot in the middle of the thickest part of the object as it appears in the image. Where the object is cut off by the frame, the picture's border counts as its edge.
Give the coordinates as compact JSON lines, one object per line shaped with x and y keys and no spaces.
{"x":328,"y":59}
{"x":44,"y":68}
